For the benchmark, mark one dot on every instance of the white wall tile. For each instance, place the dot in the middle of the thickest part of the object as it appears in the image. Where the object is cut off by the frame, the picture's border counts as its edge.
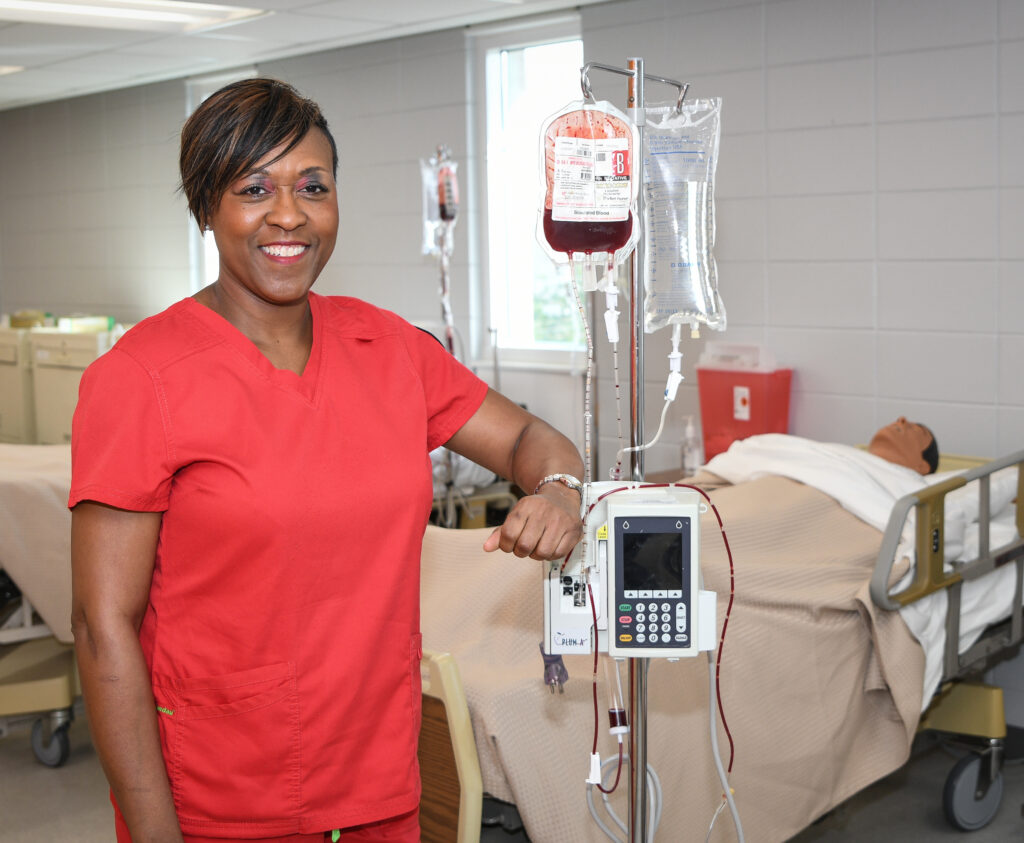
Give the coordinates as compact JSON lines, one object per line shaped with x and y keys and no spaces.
{"x":900,"y":23}
{"x":821,"y":227}
{"x":947,"y":224}
{"x":836,"y":93}
{"x":937,"y":367}
{"x":805,"y":161}
{"x":611,"y":15}
{"x":1011,"y":142}
{"x":739,"y":232}
{"x":1011,"y":296}
{"x":821,"y":295}
{"x":1010,"y":421}
{"x":1011,"y":369}
{"x":812,"y":30}
{"x":741,"y":166}
{"x":936,"y":154}
{"x":1011,"y":19}
{"x":1011,"y":223}
{"x":741,"y":285}
{"x":614,"y":45}
{"x":832,"y":418}
{"x":938,"y":296}
{"x":743,"y":98}
{"x":428,"y":82}
{"x":826,"y":361}
{"x":1011,"y":71}
{"x":720,"y":40}
{"x":936,"y":83}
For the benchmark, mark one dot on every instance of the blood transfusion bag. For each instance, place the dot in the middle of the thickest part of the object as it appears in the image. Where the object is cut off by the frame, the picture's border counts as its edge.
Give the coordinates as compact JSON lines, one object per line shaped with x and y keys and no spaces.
{"x":440,"y":201}
{"x":590,"y":187}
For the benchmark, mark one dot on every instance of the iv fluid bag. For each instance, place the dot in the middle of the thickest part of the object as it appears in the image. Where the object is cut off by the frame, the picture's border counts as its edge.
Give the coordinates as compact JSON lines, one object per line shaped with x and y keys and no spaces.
{"x":680,"y":157}
{"x":590,"y":183}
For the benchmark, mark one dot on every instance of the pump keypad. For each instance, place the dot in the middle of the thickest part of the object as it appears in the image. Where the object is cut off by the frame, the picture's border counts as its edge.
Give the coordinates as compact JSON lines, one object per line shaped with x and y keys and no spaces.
{"x":655,"y":622}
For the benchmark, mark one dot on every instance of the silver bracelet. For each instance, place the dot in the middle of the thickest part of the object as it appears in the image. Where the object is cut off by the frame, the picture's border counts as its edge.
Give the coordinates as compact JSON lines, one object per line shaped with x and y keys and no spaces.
{"x":567,"y":479}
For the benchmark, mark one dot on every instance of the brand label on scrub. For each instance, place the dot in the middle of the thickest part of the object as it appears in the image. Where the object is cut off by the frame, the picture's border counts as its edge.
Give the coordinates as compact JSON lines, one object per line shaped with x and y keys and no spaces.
{"x":591,"y":180}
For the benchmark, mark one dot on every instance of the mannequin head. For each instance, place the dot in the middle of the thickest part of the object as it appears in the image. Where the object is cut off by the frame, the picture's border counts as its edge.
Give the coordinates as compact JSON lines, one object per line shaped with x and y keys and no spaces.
{"x":907,"y":443}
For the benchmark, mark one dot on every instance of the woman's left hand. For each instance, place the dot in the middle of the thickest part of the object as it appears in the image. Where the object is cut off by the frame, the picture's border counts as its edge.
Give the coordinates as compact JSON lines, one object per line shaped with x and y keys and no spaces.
{"x":543,"y":526}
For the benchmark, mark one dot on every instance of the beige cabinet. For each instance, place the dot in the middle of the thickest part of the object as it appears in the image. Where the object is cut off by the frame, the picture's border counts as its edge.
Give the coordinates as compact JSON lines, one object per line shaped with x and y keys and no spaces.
{"x":17,"y":406}
{"x":58,"y":360}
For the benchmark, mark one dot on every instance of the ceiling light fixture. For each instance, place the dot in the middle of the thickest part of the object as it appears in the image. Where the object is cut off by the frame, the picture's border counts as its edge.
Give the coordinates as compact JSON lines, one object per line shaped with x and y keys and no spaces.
{"x":8,"y":68}
{"x":158,"y":15}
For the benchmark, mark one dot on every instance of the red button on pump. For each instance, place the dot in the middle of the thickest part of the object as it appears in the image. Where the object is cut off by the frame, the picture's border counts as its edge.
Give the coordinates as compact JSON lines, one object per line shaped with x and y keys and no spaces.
{"x":625,"y":619}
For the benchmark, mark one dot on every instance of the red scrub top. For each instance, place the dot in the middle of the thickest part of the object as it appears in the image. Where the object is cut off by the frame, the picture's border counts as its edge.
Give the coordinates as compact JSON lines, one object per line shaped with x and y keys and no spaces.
{"x":282,"y":629}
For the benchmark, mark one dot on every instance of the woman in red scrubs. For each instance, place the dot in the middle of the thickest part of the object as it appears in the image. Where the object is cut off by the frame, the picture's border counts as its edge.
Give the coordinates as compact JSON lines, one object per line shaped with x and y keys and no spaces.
{"x":251,"y":483}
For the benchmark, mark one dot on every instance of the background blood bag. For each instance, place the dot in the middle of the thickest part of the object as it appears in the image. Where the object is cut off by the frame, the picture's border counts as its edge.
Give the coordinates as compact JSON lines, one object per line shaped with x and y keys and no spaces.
{"x":591,"y":180}
{"x":440,"y":201}
{"x":680,"y":158}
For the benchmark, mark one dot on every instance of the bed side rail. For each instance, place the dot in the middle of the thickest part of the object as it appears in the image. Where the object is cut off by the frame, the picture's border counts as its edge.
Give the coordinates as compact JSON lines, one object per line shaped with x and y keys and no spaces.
{"x":929,"y":574}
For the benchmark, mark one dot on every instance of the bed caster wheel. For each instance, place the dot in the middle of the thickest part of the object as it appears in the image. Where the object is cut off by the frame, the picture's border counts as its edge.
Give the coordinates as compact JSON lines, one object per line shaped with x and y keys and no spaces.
{"x":52,"y":752}
{"x":967,"y":803}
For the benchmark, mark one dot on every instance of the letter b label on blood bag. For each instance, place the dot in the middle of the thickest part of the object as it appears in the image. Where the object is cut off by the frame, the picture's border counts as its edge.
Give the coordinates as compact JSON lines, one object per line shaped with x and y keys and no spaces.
{"x":620,"y":163}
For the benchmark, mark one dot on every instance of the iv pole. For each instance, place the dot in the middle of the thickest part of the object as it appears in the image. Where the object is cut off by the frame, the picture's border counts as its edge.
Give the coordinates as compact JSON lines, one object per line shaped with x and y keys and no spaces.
{"x":638,"y":667}
{"x":637,"y":814}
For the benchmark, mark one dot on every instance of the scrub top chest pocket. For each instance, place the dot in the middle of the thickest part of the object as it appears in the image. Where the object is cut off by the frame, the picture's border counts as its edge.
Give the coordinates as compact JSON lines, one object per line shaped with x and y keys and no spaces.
{"x":232,"y":743}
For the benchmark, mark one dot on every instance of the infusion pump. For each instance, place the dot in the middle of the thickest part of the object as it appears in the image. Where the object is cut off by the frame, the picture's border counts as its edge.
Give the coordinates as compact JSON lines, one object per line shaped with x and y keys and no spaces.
{"x":639,"y":563}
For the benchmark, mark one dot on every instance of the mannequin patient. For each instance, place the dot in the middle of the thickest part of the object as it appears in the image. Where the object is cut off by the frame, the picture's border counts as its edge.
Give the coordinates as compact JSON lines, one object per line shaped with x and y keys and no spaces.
{"x":907,"y":443}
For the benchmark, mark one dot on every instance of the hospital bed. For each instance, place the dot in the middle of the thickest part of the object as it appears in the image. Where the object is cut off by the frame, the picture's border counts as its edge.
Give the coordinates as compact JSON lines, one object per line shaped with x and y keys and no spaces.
{"x":823,"y":686}
{"x":989,"y":577}
{"x":38,"y":679}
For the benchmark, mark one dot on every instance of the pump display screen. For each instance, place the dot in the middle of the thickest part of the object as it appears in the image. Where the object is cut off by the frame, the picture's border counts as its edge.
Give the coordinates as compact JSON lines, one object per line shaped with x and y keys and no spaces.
{"x":652,"y":561}
{"x":653,"y":573}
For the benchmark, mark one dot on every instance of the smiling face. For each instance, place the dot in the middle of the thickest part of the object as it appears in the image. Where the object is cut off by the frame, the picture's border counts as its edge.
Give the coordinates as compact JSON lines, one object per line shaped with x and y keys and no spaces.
{"x":903,"y":443}
{"x":277,"y":224}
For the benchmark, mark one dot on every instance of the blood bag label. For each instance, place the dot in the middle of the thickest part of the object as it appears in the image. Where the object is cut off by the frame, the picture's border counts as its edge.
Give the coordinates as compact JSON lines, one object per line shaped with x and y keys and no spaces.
{"x":591,"y":180}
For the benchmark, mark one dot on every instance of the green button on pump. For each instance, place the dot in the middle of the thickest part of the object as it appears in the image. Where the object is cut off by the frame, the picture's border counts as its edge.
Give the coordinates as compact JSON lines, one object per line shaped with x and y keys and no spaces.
{"x":625,"y":607}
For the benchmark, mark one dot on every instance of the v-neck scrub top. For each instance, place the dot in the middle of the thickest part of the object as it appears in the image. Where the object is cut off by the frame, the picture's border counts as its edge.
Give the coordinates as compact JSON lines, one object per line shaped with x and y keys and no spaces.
{"x":282,"y":628}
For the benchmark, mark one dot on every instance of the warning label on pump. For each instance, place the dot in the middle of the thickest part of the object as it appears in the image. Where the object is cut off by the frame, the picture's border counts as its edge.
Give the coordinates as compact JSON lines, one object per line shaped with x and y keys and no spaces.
{"x":591,"y":180}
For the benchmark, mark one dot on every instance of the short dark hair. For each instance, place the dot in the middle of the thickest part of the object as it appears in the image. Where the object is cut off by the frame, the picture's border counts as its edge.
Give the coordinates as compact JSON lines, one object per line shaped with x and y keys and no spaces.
{"x":931,"y":453}
{"x":236,"y":127}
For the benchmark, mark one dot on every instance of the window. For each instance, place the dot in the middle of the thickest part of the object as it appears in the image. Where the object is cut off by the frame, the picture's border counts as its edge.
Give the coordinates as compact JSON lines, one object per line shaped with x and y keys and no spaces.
{"x":531,"y":302}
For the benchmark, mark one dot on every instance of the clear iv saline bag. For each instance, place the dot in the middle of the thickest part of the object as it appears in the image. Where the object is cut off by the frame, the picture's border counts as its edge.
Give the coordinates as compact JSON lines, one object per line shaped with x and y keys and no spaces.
{"x":680,"y":157}
{"x":590,"y":183}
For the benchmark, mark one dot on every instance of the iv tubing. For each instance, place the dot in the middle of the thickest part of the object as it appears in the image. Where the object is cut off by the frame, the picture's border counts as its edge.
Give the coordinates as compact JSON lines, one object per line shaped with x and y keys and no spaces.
{"x":654,"y":441}
{"x":727,"y":791}
{"x":654,"y":800}
{"x":590,"y":373}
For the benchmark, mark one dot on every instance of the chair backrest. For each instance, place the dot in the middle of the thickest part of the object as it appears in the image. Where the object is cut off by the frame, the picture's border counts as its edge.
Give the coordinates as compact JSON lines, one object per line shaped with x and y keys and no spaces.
{"x":449,"y":768}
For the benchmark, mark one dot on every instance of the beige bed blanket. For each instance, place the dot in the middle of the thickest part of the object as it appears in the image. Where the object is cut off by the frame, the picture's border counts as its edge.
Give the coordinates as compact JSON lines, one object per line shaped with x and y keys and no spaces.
{"x":821,"y":690}
{"x":35,"y":529}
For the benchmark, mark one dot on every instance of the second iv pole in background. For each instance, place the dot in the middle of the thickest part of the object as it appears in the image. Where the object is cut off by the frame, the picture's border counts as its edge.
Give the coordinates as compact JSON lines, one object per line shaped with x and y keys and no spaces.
{"x":440,"y":211}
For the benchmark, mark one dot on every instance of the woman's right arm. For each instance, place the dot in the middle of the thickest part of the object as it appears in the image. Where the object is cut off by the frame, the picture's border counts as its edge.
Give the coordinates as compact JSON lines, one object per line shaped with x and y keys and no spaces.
{"x":112,"y":557}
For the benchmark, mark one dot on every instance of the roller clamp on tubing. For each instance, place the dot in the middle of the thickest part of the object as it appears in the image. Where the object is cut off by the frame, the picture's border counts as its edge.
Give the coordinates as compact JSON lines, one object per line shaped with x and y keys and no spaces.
{"x":566,"y":479}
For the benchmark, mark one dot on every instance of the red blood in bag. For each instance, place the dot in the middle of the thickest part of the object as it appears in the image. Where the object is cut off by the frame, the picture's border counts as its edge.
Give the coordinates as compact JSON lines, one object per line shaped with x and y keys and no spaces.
{"x":447,"y":194}
{"x":587,"y":236}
